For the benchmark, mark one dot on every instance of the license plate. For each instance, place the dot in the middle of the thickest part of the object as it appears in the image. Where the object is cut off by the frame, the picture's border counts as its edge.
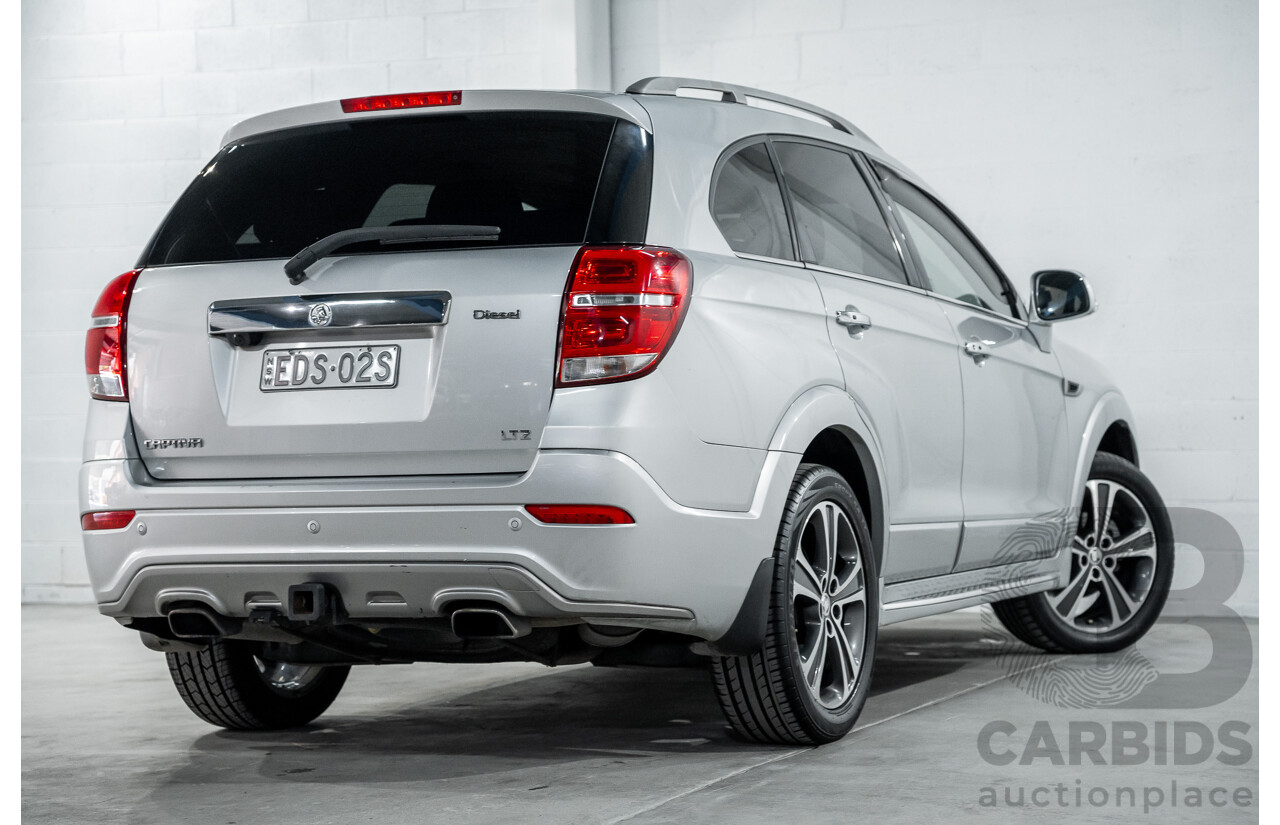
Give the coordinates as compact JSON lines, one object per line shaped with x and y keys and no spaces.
{"x":330,"y":368}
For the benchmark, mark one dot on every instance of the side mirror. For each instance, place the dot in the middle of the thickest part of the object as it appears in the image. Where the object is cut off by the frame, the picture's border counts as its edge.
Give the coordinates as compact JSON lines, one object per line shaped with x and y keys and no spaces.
{"x":1059,"y":294}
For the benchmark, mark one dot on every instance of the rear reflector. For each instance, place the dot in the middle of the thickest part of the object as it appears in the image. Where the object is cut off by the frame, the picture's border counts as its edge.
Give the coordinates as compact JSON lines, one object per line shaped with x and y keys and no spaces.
{"x":415,"y":100}
{"x":111,"y":520}
{"x":579,"y":514}
{"x":104,"y":345}
{"x":622,"y":309}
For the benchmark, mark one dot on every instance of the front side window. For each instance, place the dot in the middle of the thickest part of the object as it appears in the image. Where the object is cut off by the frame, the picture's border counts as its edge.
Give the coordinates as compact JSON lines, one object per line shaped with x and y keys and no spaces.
{"x":838,"y":221}
{"x":747,"y":205}
{"x":954,"y":265}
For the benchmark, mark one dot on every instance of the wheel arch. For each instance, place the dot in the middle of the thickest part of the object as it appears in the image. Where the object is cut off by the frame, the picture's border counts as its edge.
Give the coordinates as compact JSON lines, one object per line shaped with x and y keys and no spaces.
{"x":1108,"y":428}
{"x":826,"y":426}
{"x":1110,"y":423}
{"x":1118,"y":440}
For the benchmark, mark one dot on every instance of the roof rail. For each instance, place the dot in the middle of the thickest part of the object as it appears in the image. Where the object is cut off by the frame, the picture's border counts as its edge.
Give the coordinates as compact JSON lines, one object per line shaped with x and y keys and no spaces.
{"x":730,"y":93}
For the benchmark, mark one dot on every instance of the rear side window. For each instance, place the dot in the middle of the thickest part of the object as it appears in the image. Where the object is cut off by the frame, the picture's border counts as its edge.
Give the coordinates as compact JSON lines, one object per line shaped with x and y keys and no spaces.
{"x":838,"y":222}
{"x":535,"y":175}
{"x":748,"y":207}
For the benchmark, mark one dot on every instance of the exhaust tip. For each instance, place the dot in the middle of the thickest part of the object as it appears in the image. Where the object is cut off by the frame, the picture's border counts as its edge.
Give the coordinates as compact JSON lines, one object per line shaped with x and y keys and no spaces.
{"x":201,"y":623}
{"x":487,"y":623}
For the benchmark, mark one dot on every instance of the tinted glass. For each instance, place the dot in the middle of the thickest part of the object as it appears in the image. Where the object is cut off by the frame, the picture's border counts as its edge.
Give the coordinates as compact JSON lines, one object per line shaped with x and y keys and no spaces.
{"x":953,"y":264}
{"x":748,"y":205}
{"x":534,"y":175}
{"x":838,"y":221}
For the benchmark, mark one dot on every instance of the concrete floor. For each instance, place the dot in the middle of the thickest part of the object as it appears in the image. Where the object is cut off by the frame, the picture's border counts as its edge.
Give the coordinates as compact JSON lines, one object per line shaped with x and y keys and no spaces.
{"x":105,"y":739}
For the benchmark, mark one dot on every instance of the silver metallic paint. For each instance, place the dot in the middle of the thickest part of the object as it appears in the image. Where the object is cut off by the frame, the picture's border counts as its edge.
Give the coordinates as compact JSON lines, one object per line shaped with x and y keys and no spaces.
{"x":702,"y":451}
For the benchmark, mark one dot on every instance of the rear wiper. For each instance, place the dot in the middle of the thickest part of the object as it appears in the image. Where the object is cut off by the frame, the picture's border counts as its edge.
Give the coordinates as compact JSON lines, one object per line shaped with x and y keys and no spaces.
{"x":296,"y":267}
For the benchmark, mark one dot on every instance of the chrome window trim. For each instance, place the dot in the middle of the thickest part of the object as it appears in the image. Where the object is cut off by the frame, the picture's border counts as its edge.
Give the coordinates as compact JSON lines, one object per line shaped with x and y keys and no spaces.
{"x":870,"y":279}
{"x":856,"y":276}
{"x":1017,"y":322}
{"x":747,"y":256}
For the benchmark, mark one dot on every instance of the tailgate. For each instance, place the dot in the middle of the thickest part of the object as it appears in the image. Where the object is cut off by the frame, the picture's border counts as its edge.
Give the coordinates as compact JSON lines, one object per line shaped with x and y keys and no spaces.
{"x":438,"y":363}
{"x":431,"y":354}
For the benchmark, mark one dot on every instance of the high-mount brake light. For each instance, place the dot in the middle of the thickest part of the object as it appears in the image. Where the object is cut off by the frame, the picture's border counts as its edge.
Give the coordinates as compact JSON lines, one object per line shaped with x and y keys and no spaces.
{"x":579,"y":514}
{"x":104,"y":345}
{"x":109,"y":520}
{"x":415,"y":100}
{"x":622,"y":309}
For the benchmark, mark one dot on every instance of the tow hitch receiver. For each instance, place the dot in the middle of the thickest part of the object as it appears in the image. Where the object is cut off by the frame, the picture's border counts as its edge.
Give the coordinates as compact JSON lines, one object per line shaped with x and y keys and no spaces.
{"x":310,"y":602}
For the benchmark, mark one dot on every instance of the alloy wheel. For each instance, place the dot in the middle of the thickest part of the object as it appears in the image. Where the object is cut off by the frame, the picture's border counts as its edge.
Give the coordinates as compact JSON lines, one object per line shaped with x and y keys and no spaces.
{"x":829,"y":603}
{"x":1113,"y":561}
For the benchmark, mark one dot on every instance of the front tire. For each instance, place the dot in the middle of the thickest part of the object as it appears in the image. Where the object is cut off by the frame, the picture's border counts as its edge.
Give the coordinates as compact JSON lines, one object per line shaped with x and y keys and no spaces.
{"x":1121,"y":568}
{"x":228,"y":685}
{"x":809,"y":682}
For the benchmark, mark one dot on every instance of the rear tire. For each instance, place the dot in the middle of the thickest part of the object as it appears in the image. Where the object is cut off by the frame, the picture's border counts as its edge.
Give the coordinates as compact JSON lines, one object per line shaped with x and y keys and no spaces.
{"x":1121,"y":568}
{"x":809,"y":682}
{"x":227,"y":685}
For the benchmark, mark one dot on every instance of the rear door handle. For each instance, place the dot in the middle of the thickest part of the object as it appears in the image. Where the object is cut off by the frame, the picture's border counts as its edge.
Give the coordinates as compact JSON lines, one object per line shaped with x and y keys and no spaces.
{"x":857,"y":322}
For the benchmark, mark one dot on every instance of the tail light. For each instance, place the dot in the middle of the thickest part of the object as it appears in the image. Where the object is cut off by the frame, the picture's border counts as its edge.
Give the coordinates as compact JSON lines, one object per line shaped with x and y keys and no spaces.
{"x":104,"y":354}
{"x":622,"y":309}
{"x":579,"y":514}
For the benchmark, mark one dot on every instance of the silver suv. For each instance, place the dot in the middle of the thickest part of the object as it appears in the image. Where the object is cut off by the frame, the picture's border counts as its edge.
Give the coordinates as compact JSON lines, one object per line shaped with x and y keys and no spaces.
{"x":694,"y":374}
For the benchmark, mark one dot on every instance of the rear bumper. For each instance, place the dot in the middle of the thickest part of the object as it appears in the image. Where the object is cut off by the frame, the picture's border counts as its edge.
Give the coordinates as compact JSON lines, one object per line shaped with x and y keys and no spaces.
{"x":405,"y":548}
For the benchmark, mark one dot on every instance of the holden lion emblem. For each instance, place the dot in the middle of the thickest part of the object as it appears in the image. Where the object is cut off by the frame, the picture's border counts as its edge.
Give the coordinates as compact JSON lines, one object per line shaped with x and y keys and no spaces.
{"x":320,"y":315}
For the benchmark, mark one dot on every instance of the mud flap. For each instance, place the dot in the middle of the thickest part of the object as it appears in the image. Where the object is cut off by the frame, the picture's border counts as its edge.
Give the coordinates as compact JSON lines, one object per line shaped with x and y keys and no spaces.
{"x":746,"y":634}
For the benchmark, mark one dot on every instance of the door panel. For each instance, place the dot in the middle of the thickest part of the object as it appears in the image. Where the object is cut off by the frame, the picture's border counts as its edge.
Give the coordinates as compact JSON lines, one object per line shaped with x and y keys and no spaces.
{"x":903,"y":371}
{"x":1016,"y":462}
{"x":896,"y":350}
{"x":921,"y":550}
{"x":1016,"y":457}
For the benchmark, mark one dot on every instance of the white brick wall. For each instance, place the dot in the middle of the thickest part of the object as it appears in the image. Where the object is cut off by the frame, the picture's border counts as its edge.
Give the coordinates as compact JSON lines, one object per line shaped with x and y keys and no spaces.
{"x":123,"y":101}
{"x":1118,"y":137}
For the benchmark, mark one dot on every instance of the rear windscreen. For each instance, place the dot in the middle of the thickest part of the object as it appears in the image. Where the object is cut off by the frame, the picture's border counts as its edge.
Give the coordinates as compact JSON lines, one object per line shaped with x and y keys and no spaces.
{"x":534,"y":175}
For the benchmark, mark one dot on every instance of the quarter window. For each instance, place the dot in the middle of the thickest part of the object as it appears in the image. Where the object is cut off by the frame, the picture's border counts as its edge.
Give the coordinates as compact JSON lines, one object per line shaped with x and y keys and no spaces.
{"x":952,"y":262}
{"x":838,"y":222}
{"x":748,"y":205}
